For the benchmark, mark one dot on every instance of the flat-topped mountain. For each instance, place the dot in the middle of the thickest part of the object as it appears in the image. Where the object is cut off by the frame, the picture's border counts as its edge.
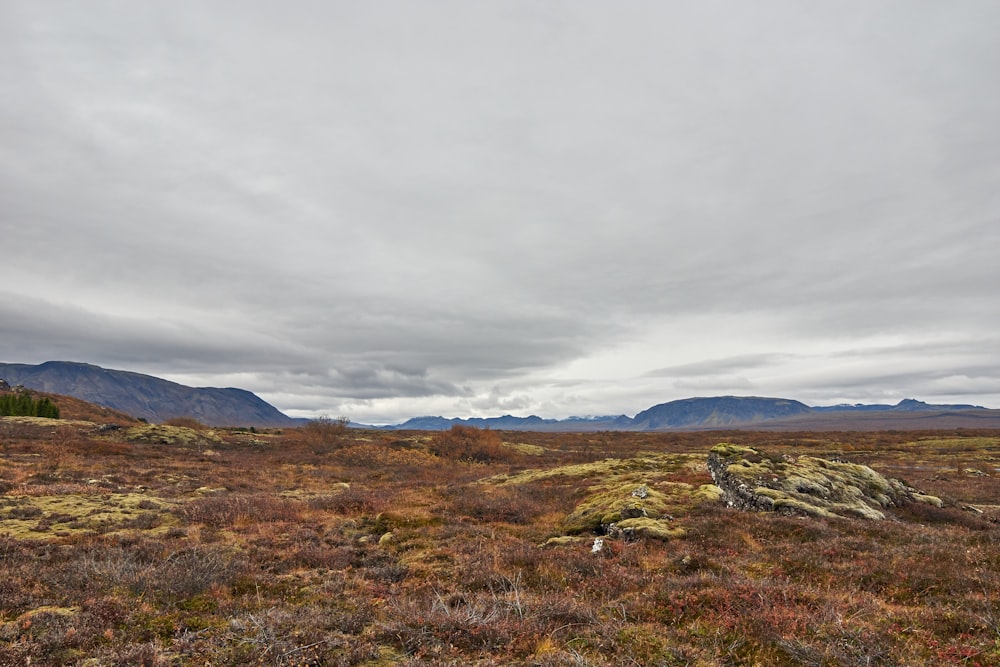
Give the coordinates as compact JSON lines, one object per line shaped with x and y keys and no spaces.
{"x":145,"y":396}
{"x":721,"y":411}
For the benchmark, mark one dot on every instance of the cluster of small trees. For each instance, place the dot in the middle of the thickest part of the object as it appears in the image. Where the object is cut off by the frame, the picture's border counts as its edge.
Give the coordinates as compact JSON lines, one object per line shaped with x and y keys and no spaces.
{"x":20,"y":403}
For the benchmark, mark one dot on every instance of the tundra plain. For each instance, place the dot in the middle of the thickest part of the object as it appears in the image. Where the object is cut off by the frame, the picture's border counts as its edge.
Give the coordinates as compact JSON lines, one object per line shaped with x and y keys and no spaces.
{"x":124,"y":543}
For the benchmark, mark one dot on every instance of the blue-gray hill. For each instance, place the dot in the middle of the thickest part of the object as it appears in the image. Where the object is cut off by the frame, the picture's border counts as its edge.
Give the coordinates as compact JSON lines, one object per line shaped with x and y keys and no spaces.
{"x":716,"y":412}
{"x":151,"y":398}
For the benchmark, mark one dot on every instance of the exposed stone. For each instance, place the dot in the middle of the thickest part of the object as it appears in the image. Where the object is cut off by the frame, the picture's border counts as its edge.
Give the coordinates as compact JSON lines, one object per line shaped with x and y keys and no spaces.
{"x":753,"y":481}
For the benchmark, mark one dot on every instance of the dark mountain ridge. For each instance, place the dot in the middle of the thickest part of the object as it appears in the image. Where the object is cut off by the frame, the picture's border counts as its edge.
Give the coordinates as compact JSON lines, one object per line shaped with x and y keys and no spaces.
{"x":145,"y":396}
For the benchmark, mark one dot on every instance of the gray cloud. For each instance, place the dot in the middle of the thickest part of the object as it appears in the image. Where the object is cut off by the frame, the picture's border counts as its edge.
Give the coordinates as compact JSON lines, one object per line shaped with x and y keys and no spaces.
{"x":388,"y":209}
{"x":718,"y":366}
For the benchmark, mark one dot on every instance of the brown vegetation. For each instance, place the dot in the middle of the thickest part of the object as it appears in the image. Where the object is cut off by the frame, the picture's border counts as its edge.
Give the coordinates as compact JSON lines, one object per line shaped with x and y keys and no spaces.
{"x":331,"y":546}
{"x":470,"y":445}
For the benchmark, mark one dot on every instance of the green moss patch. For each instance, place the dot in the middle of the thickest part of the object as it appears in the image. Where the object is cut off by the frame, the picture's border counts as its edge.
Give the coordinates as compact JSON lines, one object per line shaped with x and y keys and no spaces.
{"x":645,"y":466}
{"x":525,"y":448}
{"x":708,"y":493}
{"x":161,"y":434}
{"x":565,"y":541}
{"x":654,"y":529}
{"x":614,"y":505}
{"x":48,"y":517}
{"x":44,"y":421}
{"x":643,"y":490}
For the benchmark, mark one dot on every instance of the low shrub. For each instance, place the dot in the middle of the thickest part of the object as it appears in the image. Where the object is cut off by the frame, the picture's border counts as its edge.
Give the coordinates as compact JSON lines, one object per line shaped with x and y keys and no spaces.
{"x":324,"y":433}
{"x":471,"y":445}
{"x":507,"y":504}
{"x":380,"y":456}
{"x":186,"y":422}
{"x":227,"y":510}
{"x":353,"y":499}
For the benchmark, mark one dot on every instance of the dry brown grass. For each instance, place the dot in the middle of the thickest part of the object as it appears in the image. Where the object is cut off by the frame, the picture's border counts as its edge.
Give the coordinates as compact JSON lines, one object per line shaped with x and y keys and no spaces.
{"x":366,"y":548}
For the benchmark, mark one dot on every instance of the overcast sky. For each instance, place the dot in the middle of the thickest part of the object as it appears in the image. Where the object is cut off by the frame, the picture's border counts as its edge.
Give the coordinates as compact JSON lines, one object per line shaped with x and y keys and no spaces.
{"x":390,"y":209}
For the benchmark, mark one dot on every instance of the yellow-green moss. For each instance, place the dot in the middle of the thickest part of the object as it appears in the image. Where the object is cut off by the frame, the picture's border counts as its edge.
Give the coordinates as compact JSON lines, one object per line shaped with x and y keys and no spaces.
{"x":726,"y":450}
{"x":44,"y":421}
{"x":162,"y":434}
{"x":57,"y":516}
{"x":655,"y":529}
{"x":930,"y":500}
{"x":525,"y":448}
{"x":615,"y":505}
{"x":49,"y":609}
{"x":813,"y":486}
{"x":564,"y":540}
{"x":613,"y":469}
{"x":708,"y":493}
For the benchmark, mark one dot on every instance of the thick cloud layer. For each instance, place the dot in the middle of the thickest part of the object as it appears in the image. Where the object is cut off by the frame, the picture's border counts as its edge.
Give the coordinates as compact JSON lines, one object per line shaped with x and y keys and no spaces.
{"x":391,"y":209}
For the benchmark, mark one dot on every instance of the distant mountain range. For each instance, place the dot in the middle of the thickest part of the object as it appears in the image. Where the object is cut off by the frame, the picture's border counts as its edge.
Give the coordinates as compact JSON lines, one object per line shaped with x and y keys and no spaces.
{"x":158,"y":400}
{"x":511,"y":423}
{"x":741,"y":412}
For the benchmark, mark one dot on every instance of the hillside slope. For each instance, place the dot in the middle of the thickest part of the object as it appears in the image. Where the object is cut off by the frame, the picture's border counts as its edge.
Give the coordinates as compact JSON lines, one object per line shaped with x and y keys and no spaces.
{"x":151,"y":398}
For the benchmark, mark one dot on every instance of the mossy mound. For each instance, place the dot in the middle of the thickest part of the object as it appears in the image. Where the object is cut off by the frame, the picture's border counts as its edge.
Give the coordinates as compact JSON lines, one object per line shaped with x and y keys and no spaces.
{"x":653,"y":529}
{"x":162,"y":434}
{"x":752,"y":480}
{"x":614,"y":505}
{"x":630,"y":497}
{"x":647,"y":466}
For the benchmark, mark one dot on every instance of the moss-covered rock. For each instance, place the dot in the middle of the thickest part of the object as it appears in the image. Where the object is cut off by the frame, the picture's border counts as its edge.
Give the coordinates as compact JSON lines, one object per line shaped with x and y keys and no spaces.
{"x":751,"y":480}
{"x":611,"y":506}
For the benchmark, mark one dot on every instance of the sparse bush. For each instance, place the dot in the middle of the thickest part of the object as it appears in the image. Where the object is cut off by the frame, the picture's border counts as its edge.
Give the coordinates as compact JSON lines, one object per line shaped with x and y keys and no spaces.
{"x":507,"y":504}
{"x":186,"y":422}
{"x":325,"y":433}
{"x":471,"y":445}
{"x":380,"y":456}
{"x":353,"y":499}
{"x":227,"y":510}
{"x":324,"y":556}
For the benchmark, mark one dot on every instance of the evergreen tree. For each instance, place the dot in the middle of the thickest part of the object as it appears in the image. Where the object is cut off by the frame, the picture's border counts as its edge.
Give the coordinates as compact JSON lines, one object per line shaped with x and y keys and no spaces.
{"x":21,"y":404}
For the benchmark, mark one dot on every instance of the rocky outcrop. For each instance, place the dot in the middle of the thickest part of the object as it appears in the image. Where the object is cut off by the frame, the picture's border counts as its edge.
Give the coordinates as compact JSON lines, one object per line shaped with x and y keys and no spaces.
{"x":806,"y":485}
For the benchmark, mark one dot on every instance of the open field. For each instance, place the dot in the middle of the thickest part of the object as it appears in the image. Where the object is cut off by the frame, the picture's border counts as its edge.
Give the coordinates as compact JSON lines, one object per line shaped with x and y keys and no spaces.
{"x":178,"y":545}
